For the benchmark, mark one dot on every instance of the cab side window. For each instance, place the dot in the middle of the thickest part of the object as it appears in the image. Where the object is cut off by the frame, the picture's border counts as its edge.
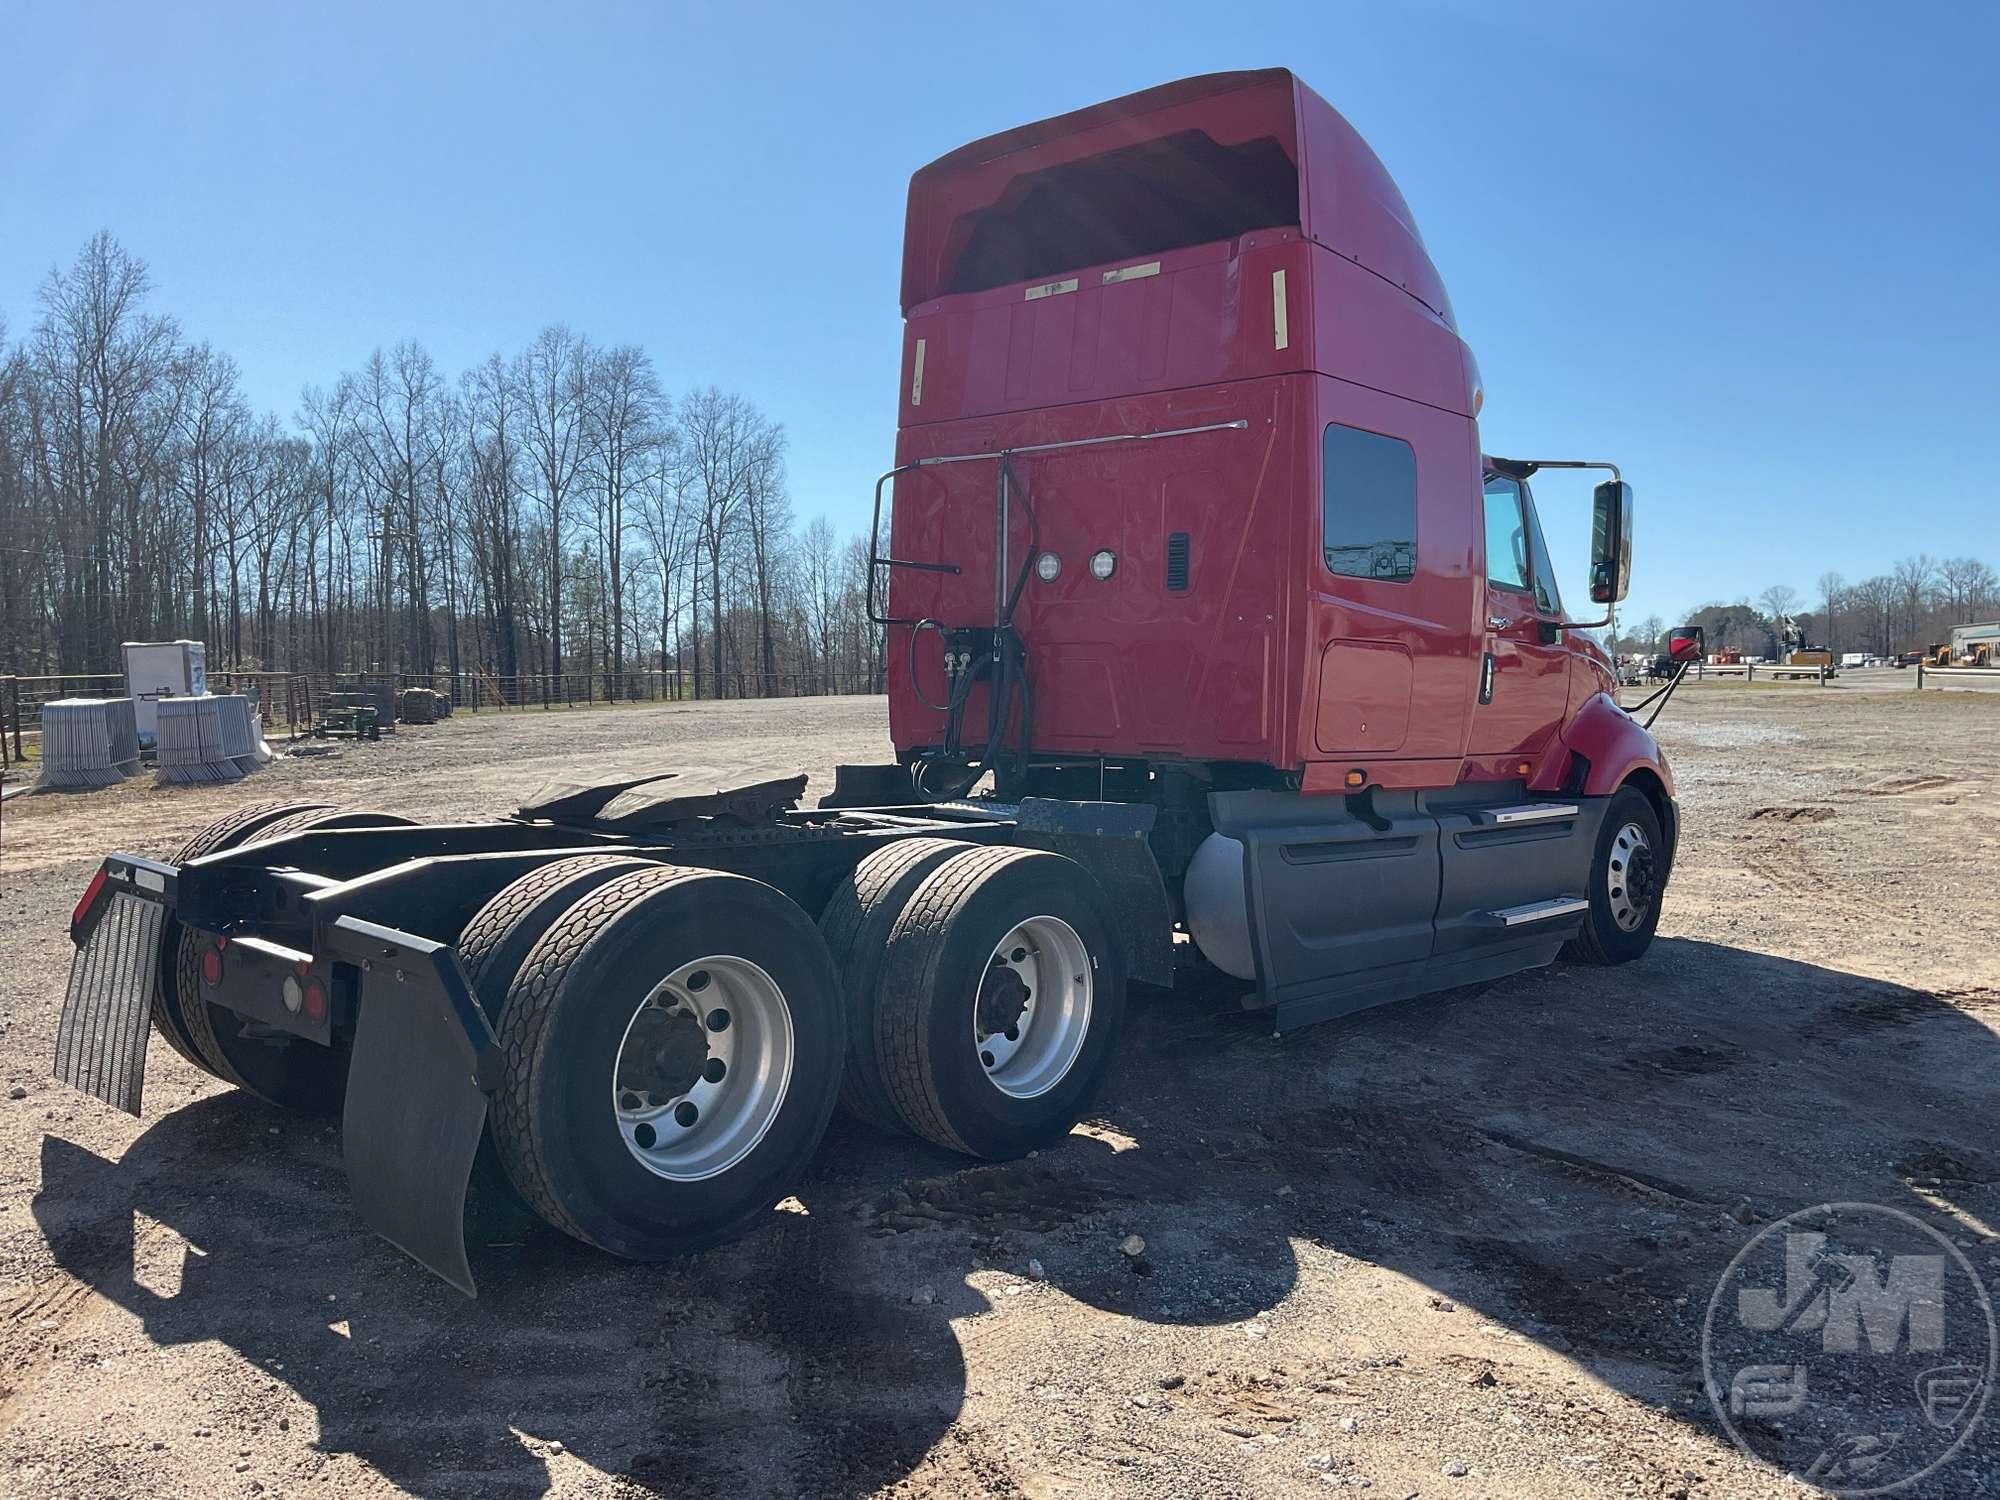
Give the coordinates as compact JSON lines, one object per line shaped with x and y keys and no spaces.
{"x":1547,"y":600}
{"x":1370,"y":504}
{"x":1506,"y":535}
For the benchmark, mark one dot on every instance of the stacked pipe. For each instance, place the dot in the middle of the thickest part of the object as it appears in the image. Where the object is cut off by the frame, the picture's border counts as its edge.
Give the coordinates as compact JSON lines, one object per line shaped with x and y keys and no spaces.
{"x":191,"y":747}
{"x":88,"y":742}
{"x":242,"y":736}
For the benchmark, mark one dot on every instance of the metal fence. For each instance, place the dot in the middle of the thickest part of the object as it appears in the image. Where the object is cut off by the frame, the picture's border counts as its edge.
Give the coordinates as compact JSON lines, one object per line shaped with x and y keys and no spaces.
{"x":479,"y":691}
{"x":287,"y":701}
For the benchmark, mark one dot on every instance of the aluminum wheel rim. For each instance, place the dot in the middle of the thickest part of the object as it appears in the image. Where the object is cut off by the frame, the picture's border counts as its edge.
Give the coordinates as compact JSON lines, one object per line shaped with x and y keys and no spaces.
{"x":1043,"y":957}
{"x":703,"y":1068}
{"x":1628,"y":877}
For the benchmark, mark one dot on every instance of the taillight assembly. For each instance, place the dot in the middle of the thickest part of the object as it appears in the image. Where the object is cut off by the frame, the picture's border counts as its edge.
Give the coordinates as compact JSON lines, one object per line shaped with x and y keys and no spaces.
{"x":90,"y":894}
{"x":315,"y":1001}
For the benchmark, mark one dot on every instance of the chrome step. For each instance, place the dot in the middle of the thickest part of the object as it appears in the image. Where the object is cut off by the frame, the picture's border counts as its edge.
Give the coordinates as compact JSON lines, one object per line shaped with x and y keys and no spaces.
{"x":1532,"y":812}
{"x":1539,"y":911}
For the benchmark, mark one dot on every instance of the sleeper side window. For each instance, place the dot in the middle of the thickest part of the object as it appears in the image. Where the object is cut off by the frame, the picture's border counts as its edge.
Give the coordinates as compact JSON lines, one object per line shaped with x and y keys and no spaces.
{"x":1369,"y":488}
{"x":1506,"y":535}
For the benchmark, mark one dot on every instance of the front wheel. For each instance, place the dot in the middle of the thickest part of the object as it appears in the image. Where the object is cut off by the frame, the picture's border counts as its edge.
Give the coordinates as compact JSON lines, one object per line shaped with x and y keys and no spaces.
{"x":1628,"y":875}
{"x":672,"y":1049}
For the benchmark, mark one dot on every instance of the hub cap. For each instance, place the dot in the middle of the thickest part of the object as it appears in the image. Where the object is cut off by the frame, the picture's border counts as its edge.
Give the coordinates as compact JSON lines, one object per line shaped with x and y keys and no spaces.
{"x":703,"y":1068}
{"x":1629,"y":877}
{"x":1032,"y":1014}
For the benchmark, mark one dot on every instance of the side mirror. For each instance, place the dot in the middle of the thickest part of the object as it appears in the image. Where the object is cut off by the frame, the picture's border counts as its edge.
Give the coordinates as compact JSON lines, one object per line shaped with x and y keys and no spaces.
{"x":1610,"y":541}
{"x":1687,"y":643}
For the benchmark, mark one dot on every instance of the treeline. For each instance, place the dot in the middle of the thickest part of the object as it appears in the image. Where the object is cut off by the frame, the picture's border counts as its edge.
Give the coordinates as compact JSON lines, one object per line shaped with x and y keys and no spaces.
{"x":552,"y":512}
{"x":1910,"y":608}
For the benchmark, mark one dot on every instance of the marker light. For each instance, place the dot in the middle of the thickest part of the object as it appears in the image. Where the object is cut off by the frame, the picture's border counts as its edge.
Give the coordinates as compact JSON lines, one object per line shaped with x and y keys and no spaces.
{"x":315,"y":1001}
{"x":1047,"y":567}
{"x":211,"y":967}
{"x":1103,"y":564}
{"x":295,"y":994}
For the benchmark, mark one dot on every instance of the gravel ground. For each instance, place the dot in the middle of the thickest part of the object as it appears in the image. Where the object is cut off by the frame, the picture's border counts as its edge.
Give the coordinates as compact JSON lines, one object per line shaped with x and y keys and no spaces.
{"x":1460,"y":1246}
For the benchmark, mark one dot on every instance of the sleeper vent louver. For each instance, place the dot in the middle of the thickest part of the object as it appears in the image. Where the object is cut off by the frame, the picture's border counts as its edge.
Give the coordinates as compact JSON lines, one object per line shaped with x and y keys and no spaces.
{"x":1177,"y":561}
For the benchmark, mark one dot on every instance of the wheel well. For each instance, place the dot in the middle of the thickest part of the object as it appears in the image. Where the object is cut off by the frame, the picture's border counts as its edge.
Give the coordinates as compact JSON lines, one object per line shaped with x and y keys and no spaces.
{"x":1655,"y":791}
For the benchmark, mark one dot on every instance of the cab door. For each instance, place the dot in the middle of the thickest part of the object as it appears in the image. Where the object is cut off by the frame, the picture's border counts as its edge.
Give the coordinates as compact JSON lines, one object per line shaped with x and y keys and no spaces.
{"x":1390,"y":583}
{"x":1524,"y":671}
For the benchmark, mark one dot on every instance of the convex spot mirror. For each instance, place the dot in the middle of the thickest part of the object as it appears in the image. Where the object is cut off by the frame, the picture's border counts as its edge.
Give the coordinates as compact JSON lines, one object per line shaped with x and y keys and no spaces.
{"x":1610,"y":541}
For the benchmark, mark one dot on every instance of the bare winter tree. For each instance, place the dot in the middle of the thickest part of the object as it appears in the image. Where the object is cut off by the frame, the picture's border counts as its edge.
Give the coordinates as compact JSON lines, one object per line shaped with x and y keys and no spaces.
{"x":716,"y":437}
{"x":767,"y":515}
{"x":551,"y":375}
{"x":104,"y":365}
{"x":1779,"y":600}
{"x":1832,"y":597}
{"x":624,"y":413}
{"x":1967,"y":585}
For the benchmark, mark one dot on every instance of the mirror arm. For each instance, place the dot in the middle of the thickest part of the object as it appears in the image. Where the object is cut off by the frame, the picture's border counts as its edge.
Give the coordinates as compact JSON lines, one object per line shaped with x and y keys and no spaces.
{"x":1524,"y":468}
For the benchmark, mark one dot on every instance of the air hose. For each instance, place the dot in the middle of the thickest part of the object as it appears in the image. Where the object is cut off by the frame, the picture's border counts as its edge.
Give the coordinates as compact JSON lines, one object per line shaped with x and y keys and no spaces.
{"x":1005,"y":668}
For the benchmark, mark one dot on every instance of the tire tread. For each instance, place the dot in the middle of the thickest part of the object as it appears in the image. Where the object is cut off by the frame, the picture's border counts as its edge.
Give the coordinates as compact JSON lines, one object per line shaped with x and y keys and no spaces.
{"x":910,"y":974}
{"x":857,"y":924}
{"x":525,"y":1027}
{"x":224,"y":833}
{"x":487,"y":935}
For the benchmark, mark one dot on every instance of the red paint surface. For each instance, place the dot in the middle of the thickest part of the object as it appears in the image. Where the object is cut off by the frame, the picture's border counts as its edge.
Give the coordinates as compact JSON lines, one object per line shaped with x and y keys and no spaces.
{"x":1266,"y":656}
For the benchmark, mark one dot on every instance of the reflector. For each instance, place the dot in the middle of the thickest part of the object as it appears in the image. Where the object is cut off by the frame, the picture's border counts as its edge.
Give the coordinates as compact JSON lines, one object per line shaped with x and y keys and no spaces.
{"x":90,"y":894}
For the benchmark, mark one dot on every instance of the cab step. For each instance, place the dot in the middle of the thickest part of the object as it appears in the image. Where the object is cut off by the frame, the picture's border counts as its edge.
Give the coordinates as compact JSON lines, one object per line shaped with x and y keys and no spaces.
{"x":1531,"y":812}
{"x":1537,"y":911}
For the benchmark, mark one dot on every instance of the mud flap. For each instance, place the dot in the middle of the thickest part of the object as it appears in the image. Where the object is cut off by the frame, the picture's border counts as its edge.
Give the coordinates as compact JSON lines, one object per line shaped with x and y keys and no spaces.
{"x":415,"y":1101}
{"x":1109,"y":840}
{"x":107,"y":1011}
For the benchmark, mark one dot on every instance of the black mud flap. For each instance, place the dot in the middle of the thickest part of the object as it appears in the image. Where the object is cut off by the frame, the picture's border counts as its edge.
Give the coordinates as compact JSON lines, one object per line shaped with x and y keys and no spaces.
{"x":1109,"y":840}
{"x":106,"y":1015}
{"x":416,"y":1094}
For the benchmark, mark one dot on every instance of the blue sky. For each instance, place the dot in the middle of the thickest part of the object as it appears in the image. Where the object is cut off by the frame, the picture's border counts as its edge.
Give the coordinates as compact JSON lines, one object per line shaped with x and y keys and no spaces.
{"x":1748,"y":251}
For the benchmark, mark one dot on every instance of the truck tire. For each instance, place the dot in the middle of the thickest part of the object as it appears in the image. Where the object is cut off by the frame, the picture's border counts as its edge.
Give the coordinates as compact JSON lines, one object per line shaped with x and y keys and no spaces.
{"x":293,"y":1074}
{"x":999,"y":936}
{"x":497,"y":940}
{"x":856,"y":926}
{"x":169,"y":1020}
{"x":1628,"y":873}
{"x":671,"y":1051}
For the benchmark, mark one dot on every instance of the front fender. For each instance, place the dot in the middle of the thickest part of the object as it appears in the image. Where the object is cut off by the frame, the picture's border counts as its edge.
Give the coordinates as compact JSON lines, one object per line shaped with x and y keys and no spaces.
{"x":1615,"y":744}
{"x":1616,"y":747}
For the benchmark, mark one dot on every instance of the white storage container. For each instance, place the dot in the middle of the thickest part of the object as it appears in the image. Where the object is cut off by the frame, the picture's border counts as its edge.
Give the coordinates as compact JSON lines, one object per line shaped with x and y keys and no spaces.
{"x":162,"y":669}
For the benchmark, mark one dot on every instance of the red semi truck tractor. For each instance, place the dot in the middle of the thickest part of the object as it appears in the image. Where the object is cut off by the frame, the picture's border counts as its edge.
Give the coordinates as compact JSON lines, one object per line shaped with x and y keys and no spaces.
{"x":1215,"y":643}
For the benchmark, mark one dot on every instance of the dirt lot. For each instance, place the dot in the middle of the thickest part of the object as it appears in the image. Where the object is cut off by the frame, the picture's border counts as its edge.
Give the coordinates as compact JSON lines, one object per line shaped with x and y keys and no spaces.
{"x":1461,"y":1246}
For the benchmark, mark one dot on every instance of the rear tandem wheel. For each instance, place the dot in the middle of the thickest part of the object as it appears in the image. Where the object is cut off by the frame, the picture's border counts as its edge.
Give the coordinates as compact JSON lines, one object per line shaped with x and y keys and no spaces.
{"x":289,"y":1072}
{"x":856,"y":924}
{"x":224,"y":833}
{"x":671,"y":1051}
{"x":1000,"y":1002}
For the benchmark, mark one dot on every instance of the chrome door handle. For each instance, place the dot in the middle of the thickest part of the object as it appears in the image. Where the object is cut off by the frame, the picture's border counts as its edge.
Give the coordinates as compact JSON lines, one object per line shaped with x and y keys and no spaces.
{"x":1497,"y":622}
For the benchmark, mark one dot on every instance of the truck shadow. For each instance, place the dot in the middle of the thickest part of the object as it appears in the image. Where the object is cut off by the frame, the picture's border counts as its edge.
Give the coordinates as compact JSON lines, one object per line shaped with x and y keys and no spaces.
{"x":1557,"y":1155}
